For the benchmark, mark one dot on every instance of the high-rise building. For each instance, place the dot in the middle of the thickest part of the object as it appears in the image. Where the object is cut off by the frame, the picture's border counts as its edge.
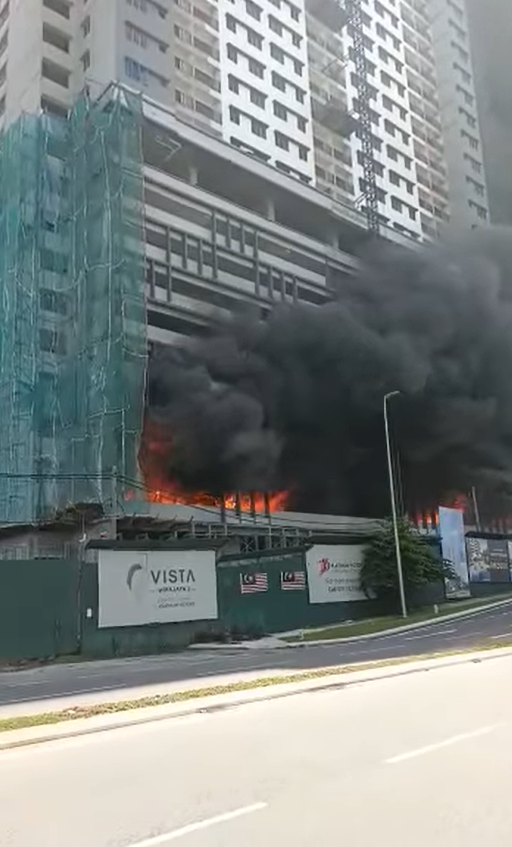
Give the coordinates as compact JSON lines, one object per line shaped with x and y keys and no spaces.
{"x":277,"y":79}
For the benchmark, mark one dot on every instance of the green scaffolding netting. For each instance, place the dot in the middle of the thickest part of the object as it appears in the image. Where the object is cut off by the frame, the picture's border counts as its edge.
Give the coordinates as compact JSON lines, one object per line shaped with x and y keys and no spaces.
{"x":73,"y":333}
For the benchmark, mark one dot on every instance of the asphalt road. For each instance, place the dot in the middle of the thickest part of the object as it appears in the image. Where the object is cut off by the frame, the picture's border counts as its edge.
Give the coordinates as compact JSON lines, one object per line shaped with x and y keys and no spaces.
{"x":422,"y":759}
{"x":62,"y":686}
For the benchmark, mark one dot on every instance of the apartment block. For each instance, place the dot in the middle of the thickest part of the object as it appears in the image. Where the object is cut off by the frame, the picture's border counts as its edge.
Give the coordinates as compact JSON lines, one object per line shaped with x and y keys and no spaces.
{"x":459,"y":113}
{"x":278,"y":80}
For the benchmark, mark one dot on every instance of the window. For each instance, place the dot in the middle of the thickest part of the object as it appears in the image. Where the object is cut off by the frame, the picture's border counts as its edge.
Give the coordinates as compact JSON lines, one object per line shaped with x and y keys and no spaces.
{"x":303,"y":152}
{"x":294,"y":13}
{"x":258,"y":128}
{"x":231,"y":23}
{"x":182,"y":34}
{"x":136,"y":71}
{"x":233,"y":84}
{"x":183,"y":99}
{"x":56,"y":38}
{"x":394,"y":178}
{"x":301,"y":123}
{"x":280,"y":111}
{"x":278,"y":81}
{"x":257,"y":98}
{"x":136,"y":35}
{"x":389,"y":127}
{"x":204,"y":109}
{"x":253,"y":10}
{"x":275,"y":25}
{"x":256,"y":68}
{"x":234,"y":114}
{"x":282,"y":141}
{"x":60,"y":7}
{"x":51,"y":107}
{"x":300,"y":95}
{"x":254,"y":39}
{"x":277,"y":53}
{"x":297,"y":66}
{"x":86,"y":61}
{"x":396,"y":204}
{"x":296,"y":39}
{"x":86,"y":26}
{"x":51,"y":341}
{"x":54,"y":72}
{"x":232,"y":53}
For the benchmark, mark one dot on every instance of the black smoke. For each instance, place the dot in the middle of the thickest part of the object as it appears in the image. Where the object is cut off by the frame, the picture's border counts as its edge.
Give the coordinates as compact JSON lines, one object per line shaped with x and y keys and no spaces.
{"x":490,"y":26}
{"x":296,"y":402}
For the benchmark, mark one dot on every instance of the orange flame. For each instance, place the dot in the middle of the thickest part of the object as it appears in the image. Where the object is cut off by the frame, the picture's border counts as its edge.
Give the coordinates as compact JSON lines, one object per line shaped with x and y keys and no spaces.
{"x":155,"y":445}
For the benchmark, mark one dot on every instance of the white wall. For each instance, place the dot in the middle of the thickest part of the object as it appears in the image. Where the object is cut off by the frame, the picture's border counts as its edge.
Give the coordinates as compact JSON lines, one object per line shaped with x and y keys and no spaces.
{"x":391,"y":66}
{"x":297,"y":109}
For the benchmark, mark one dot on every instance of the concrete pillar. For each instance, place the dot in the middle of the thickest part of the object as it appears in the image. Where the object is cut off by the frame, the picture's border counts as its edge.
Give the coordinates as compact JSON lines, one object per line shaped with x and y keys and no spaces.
{"x":270,"y":209}
{"x":193,"y":174}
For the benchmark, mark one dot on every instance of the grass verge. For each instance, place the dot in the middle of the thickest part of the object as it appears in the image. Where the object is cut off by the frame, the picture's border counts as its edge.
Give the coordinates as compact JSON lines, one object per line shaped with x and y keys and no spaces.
{"x":374,"y":626}
{"x":80,"y":712}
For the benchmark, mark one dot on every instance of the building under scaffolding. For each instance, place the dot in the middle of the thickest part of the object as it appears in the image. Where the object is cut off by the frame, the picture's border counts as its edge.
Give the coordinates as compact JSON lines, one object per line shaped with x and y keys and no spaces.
{"x":122,"y":227}
{"x":73,"y":340}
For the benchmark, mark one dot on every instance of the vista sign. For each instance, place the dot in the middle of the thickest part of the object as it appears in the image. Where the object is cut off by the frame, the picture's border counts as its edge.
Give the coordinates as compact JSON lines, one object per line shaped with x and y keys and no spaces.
{"x":139,"y":587}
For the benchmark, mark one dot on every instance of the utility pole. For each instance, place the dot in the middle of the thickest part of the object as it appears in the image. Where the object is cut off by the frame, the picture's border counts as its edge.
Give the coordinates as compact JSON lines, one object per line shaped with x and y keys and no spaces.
{"x":393,"y":505}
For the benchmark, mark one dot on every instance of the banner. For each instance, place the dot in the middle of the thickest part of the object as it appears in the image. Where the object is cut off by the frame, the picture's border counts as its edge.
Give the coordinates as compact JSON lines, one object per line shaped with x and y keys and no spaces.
{"x":453,"y":550}
{"x":156,"y":586}
{"x":334,"y":573}
{"x":488,"y":560}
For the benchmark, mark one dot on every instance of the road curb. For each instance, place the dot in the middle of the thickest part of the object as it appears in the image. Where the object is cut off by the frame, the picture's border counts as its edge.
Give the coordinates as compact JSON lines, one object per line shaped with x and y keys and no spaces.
{"x":275,"y":641}
{"x":440,"y":619}
{"x":16,"y":739}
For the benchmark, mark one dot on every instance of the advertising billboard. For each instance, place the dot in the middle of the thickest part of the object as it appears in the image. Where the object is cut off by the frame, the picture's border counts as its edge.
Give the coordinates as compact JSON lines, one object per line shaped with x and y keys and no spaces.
{"x":488,"y":560}
{"x":334,"y":573}
{"x":453,"y":550}
{"x":137,"y":587}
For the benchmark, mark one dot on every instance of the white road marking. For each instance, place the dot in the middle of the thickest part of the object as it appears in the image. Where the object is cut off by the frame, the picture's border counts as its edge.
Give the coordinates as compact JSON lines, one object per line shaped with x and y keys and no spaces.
{"x":195,"y":827}
{"x":429,"y":634}
{"x":448,"y":742}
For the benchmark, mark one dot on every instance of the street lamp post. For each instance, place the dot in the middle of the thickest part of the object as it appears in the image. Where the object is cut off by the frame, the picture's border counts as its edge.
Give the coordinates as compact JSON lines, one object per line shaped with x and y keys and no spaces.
{"x":393,"y":504}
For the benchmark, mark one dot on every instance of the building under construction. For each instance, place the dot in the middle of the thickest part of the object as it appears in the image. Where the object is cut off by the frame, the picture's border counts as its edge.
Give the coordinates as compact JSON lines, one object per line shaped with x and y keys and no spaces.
{"x":122,"y":227}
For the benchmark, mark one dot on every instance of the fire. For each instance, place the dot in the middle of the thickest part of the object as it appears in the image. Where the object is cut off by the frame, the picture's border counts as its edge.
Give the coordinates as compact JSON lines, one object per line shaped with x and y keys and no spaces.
{"x":155,"y":446}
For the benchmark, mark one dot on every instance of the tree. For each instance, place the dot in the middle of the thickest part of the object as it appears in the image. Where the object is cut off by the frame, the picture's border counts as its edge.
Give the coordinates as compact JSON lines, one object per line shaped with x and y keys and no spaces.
{"x":420,"y":565}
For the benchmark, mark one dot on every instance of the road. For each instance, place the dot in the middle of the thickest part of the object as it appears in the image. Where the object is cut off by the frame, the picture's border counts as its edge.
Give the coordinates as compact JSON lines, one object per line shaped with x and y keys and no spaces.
{"x":422,"y":759}
{"x":62,"y":686}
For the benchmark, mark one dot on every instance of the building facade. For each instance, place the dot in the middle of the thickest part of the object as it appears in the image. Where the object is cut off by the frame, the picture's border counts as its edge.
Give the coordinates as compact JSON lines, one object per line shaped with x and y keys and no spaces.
{"x":490,"y":28}
{"x":277,"y":79}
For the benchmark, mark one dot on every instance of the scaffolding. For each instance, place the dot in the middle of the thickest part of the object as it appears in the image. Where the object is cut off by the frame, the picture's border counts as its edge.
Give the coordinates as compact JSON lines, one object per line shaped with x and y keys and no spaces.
{"x":73,"y":334}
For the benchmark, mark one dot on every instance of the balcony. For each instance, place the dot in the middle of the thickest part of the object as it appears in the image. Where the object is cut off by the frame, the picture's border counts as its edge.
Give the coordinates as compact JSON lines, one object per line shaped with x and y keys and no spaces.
{"x":329,"y":12}
{"x":334,"y":115}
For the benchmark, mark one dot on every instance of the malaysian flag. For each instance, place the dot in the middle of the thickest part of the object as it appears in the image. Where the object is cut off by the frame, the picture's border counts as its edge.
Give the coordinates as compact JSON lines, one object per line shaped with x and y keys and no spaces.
{"x":293,"y":580}
{"x":251,"y":583}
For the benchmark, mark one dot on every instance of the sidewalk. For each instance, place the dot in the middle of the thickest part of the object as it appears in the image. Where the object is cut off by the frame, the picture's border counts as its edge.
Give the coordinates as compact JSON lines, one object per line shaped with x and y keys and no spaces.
{"x":332,"y":679}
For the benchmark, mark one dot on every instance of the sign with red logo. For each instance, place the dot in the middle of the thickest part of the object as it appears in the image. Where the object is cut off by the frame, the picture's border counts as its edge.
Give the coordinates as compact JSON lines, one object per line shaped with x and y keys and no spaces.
{"x":334,"y":573}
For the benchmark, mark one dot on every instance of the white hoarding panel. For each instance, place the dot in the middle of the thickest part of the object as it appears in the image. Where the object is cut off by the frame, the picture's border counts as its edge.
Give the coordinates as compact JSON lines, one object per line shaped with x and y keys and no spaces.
{"x":156,"y":586}
{"x":334,"y":573}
